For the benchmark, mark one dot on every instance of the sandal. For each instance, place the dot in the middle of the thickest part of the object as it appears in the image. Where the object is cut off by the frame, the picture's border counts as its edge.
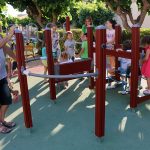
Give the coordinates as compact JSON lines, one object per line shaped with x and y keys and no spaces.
{"x":9,"y":124}
{"x":4,"y":130}
{"x":146,"y":92}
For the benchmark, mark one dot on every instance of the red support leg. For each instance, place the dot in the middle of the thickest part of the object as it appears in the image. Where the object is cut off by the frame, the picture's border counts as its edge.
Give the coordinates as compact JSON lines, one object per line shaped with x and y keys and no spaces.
{"x":135,"y":66}
{"x":117,"y":45}
{"x":100,"y":83}
{"x":50,"y":62}
{"x":90,"y":52}
{"x":67,"y":23}
{"x":23,"y":80}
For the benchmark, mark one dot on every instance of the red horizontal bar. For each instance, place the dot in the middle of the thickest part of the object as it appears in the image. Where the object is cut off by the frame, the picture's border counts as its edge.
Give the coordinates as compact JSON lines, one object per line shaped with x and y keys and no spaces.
{"x":143,"y":99}
{"x":75,"y":67}
{"x":119,"y":53}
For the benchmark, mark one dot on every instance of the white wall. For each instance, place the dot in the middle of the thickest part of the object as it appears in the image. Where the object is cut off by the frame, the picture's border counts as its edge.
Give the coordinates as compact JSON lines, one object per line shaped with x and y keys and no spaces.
{"x":135,"y":13}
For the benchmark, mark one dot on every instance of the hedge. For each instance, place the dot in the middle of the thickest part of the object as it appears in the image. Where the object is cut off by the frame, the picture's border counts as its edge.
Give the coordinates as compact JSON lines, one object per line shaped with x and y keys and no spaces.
{"x":77,"y":33}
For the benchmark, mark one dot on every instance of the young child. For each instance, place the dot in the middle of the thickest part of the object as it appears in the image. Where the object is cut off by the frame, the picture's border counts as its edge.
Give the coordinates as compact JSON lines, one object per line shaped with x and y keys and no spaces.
{"x":64,"y":59}
{"x":146,"y":62}
{"x":124,"y":62}
{"x":55,"y":41}
{"x":110,"y":35}
{"x":88,"y":22}
{"x":125,"y":66}
{"x":70,"y":45}
{"x":44,"y":61}
{"x":84,"y":51}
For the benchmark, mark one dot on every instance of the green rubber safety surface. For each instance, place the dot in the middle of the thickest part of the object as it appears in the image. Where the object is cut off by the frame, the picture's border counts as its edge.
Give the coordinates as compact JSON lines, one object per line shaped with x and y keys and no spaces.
{"x":68,"y":124}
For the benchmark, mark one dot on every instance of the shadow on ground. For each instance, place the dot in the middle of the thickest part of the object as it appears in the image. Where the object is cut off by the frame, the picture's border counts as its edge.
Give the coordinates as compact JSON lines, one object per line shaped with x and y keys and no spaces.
{"x":69,"y":124}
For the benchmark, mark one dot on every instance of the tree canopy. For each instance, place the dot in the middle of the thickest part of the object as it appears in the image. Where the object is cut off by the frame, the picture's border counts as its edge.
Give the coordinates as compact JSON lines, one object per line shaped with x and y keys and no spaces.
{"x":123,"y":9}
{"x":41,"y":10}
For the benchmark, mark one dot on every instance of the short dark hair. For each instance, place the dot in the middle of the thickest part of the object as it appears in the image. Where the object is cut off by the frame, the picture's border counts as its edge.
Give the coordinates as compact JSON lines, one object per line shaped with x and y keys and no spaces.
{"x":113,"y":22}
{"x":145,"y":40}
{"x":127,"y":45}
{"x":85,"y":34}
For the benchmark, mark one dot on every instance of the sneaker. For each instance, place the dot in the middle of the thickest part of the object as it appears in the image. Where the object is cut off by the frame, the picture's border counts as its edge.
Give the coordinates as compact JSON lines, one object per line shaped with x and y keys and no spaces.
{"x":140,"y":87}
{"x":128,"y":89}
{"x":110,"y":87}
{"x":146,"y":92}
{"x":122,"y":92}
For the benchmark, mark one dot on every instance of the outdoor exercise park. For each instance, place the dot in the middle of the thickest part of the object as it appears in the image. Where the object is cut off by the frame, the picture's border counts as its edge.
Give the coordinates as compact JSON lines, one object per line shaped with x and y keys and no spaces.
{"x":75,"y":75}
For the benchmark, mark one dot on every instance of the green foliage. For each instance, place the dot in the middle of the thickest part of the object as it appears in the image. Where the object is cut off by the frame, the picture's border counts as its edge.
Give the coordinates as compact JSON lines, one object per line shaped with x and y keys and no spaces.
{"x":76,"y":35}
{"x":127,"y":35}
{"x":23,"y":22}
{"x":99,"y":13}
{"x":48,"y":9}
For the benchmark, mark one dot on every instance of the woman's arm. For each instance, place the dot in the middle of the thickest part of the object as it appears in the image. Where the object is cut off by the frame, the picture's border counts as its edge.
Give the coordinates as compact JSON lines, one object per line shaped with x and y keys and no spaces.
{"x":81,"y":52}
{"x":3,"y":41}
{"x":65,"y":46}
{"x":8,"y":51}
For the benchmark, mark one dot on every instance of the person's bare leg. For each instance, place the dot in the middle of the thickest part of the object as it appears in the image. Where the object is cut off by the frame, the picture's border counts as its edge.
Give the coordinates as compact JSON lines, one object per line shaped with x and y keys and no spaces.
{"x":45,"y":72}
{"x":3,"y":111}
{"x":45,"y":69}
{"x":9,"y":68}
{"x":148,"y":83}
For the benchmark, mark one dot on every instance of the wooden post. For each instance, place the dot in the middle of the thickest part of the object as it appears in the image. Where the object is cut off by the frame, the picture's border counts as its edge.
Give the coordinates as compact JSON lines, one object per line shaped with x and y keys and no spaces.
{"x":50,"y":63}
{"x":135,"y":65}
{"x":100,"y":82}
{"x":23,"y":80}
{"x":67,"y":23}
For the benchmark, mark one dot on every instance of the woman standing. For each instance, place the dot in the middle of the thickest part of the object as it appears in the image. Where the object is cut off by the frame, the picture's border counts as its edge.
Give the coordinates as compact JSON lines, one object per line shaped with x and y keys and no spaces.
{"x":5,"y":95}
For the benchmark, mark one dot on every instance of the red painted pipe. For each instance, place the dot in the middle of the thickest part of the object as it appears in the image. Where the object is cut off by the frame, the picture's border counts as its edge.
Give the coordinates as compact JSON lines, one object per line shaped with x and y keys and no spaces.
{"x":117,"y":45}
{"x":117,"y":36}
{"x":90,"y":53}
{"x":135,"y":66}
{"x":50,"y":63}
{"x":100,"y":83}
{"x":67,"y":23}
{"x":23,"y":80}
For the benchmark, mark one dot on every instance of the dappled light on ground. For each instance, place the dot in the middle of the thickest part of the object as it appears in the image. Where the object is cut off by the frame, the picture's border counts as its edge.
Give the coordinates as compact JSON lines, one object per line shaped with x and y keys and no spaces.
{"x":69,"y":123}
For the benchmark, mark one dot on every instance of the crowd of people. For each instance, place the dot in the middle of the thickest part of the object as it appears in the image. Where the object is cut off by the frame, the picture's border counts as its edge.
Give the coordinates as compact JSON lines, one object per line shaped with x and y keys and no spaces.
{"x":8,"y":94}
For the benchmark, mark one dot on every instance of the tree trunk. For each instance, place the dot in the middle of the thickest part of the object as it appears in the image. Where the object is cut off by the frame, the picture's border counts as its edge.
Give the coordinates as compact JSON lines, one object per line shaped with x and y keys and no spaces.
{"x":124,"y":14}
{"x":35,"y":12}
{"x":54,"y":18}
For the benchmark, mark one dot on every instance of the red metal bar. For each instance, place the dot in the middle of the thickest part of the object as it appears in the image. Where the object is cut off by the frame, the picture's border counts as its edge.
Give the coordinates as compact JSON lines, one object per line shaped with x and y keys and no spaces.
{"x":90,"y":41}
{"x":135,"y":66}
{"x":100,"y":83}
{"x":119,"y":54}
{"x":50,"y":62}
{"x":143,"y":99}
{"x":117,"y":45}
{"x":90,"y":52}
{"x":78,"y":67}
{"x":117,"y":36}
{"x":67,"y":23}
{"x":23,"y":80}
